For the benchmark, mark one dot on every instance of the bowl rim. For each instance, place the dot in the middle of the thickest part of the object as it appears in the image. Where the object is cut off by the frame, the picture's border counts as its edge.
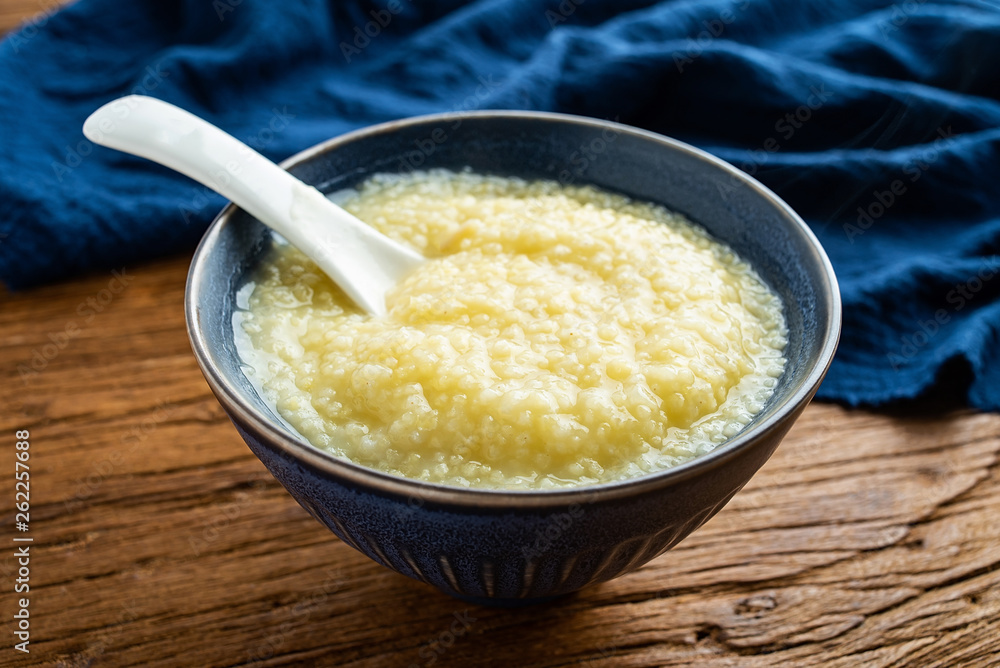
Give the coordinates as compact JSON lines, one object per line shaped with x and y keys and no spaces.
{"x":358,"y":476}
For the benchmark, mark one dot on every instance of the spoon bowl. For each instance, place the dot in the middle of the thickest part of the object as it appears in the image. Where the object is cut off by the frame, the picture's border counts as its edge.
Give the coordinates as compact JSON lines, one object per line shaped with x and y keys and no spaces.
{"x":363,"y":262}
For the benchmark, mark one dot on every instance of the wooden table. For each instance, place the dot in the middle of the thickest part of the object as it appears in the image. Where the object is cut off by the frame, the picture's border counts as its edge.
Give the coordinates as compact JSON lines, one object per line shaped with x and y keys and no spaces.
{"x":160,"y":540}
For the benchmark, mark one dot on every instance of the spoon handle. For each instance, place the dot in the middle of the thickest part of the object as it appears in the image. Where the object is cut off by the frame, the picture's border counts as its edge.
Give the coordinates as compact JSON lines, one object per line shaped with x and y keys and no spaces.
{"x":363,"y":262}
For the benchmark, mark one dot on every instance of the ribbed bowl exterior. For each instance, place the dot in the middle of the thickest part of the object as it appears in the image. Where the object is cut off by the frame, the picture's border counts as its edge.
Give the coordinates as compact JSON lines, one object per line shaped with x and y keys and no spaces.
{"x":494,"y":557}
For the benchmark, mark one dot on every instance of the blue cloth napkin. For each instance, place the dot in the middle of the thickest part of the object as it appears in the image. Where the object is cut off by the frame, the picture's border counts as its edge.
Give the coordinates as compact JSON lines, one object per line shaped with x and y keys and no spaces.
{"x":878,"y":121}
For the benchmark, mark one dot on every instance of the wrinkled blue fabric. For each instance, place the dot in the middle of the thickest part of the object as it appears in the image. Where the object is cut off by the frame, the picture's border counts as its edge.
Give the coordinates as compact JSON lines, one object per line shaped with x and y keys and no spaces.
{"x":879,"y":122}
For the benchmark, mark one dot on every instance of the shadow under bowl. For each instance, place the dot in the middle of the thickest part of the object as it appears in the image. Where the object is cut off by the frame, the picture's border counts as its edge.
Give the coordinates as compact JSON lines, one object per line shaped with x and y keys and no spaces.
{"x":515,"y":547}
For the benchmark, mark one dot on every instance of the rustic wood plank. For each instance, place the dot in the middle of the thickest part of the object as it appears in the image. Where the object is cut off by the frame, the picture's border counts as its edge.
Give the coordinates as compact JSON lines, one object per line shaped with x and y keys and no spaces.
{"x":866,"y":540}
{"x":27,"y":14}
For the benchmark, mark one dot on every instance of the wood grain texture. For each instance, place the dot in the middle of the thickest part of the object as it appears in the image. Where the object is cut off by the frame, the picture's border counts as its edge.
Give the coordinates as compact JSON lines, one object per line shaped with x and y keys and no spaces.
{"x":161,"y":541}
{"x":14,"y":12}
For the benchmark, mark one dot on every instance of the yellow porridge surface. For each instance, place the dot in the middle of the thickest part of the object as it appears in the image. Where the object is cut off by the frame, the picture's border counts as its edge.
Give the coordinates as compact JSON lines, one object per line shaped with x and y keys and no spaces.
{"x":558,"y":336}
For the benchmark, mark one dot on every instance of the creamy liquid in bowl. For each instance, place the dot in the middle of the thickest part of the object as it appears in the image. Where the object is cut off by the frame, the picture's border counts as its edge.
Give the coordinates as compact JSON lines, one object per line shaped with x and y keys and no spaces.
{"x":558,"y":336}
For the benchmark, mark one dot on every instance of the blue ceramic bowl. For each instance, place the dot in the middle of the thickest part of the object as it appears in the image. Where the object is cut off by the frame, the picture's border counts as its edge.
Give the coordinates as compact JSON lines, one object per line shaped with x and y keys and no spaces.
{"x":515,"y":547}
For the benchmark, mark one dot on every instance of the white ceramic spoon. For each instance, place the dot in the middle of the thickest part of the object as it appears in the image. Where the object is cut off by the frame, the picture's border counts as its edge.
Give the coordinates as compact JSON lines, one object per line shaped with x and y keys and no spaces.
{"x":363,"y":262}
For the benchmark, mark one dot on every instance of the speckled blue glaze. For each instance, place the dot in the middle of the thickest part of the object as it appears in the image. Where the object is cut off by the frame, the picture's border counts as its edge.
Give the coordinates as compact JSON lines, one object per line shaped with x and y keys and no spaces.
{"x":510,"y":548}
